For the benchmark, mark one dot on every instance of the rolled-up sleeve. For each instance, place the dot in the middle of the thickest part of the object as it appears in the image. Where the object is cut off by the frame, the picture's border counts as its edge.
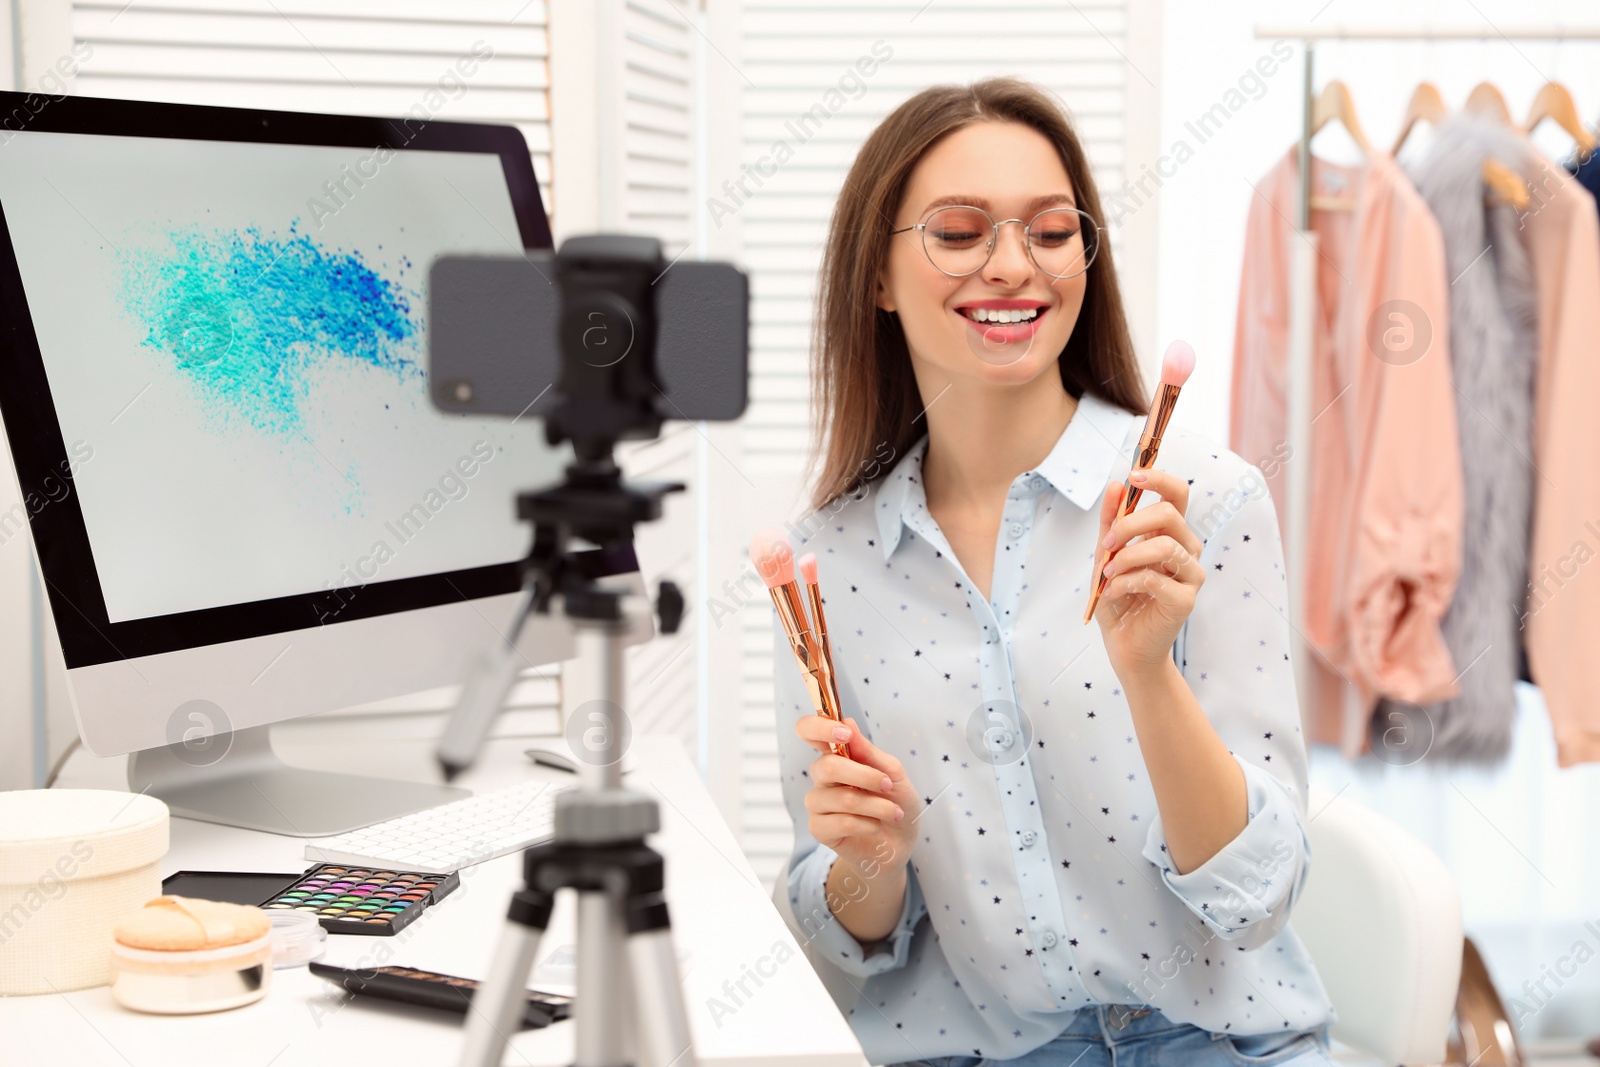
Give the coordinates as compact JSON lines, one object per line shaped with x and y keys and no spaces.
{"x":808,"y":878}
{"x":818,"y":929}
{"x":1235,"y":656}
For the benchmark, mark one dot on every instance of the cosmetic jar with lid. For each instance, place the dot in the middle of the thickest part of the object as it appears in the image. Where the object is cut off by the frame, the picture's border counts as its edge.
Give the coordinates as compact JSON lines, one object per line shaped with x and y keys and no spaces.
{"x":298,"y":937}
{"x":178,"y":956}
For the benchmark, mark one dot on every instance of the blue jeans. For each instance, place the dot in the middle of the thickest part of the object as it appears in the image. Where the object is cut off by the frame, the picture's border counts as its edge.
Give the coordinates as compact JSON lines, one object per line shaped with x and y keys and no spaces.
{"x":1110,"y":1035}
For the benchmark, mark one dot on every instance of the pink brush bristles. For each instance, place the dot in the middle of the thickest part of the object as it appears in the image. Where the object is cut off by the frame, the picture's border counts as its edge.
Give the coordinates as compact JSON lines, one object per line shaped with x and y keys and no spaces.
{"x":1177,"y":364}
{"x":774,"y":559}
{"x":808,"y":567}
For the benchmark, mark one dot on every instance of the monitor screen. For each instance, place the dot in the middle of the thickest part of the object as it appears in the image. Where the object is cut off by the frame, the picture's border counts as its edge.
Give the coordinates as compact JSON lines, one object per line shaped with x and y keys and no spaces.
{"x":233,"y":337}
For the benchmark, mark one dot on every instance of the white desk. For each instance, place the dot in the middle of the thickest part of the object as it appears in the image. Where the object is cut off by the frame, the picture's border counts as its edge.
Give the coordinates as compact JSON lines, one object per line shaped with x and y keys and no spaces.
{"x":723,"y":922}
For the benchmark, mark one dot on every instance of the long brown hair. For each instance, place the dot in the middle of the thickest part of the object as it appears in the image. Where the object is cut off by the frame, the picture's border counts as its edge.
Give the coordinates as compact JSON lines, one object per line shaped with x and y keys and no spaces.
{"x":865,"y":399}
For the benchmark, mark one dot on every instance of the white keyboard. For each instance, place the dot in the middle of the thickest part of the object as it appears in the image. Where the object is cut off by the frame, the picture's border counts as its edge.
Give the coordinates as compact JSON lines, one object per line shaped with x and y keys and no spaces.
{"x":451,"y":836}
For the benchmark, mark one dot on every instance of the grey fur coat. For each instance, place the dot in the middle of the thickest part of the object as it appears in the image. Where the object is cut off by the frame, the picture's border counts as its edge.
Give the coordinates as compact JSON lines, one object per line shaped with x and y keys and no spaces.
{"x":1493,"y":353}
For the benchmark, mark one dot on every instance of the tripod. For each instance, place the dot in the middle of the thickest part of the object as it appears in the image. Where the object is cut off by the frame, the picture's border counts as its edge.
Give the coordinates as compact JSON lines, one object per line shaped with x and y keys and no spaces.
{"x":629,"y":1001}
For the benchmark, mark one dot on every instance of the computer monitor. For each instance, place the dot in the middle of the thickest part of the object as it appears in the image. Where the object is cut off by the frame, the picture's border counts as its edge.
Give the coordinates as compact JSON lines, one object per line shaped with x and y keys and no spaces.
{"x":214,"y":384}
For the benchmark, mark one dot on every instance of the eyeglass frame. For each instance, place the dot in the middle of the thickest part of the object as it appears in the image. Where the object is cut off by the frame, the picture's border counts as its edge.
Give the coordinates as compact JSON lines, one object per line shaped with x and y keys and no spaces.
{"x":994,"y":238}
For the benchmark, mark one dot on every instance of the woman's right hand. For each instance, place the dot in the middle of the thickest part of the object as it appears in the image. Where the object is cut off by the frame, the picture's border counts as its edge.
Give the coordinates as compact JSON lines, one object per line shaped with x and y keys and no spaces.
{"x":861,"y":806}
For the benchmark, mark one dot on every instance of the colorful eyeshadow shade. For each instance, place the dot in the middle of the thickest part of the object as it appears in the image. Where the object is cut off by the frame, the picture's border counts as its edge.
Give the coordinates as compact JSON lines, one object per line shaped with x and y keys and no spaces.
{"x":358,"y":900}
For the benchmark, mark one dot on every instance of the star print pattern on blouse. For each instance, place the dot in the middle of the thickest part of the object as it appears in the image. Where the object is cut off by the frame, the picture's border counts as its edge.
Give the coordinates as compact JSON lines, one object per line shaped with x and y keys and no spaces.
{"x":1040,"y":881}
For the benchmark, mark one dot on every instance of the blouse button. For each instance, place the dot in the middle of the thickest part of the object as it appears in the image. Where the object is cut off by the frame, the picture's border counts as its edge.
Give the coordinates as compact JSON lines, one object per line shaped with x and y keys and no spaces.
{"x":1015,"y":530}
{"x":1049,"y":939}
{"x":1028,"y":838}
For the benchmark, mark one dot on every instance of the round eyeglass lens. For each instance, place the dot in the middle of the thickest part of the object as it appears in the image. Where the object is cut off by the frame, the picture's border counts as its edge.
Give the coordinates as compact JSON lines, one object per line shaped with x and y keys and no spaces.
{"x":1063,"y":242}
{"x":958,"y":239}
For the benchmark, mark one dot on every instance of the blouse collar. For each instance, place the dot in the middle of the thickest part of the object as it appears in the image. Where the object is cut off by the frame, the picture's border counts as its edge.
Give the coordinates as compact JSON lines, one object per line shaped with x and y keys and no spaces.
{"x":1078,"y":468}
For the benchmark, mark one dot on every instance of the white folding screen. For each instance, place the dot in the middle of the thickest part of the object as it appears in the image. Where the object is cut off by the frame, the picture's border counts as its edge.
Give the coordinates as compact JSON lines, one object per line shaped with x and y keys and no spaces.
{"x":647,"y":116}
{"x":1101,"y":57}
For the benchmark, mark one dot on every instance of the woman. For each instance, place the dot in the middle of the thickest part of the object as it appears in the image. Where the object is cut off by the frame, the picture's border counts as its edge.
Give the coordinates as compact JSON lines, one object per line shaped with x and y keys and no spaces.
{"x":1052,"y":843}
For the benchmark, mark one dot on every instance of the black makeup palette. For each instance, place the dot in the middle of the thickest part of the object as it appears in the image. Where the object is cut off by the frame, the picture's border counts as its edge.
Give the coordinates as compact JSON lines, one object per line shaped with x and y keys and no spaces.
{"x":364,"y":900}
{"x":345,"y":899}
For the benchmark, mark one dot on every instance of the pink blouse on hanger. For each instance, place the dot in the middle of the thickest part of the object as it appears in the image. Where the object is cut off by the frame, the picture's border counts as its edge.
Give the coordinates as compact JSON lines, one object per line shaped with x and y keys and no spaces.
{"x":1561,"y":620}
{"x":1384,"y":529}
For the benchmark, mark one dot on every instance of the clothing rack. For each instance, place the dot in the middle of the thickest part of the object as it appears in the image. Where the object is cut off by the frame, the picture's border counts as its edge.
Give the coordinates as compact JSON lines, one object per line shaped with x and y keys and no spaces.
{"x":1303,"y":276}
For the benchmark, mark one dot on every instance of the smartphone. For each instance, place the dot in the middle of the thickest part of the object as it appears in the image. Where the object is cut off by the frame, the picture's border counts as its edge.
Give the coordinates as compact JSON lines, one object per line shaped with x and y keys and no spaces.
{"x":430,"y":989}
{"x":492,"y":347}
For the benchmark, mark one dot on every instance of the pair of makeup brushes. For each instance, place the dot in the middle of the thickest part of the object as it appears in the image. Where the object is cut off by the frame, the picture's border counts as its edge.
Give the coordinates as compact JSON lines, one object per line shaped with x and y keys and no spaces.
{"x":807,"y":634}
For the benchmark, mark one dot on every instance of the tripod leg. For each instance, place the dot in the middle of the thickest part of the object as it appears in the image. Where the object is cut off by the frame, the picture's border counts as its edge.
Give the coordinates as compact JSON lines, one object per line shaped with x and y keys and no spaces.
{"x":497,"y":1007}
{"x":663,"y":1026}
{"x":603,"y":1007}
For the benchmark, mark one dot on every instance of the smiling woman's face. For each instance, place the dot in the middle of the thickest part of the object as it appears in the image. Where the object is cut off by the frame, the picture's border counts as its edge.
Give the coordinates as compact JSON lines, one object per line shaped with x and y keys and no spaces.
{"x":1012,"y":172}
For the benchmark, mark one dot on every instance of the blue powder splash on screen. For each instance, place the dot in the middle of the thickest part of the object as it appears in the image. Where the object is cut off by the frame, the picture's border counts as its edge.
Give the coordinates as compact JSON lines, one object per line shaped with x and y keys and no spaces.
{"x":252,"y":320}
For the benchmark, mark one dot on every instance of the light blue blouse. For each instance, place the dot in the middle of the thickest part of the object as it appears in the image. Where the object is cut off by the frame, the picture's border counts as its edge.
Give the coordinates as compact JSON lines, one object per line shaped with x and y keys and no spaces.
{"x":1040,"y":881}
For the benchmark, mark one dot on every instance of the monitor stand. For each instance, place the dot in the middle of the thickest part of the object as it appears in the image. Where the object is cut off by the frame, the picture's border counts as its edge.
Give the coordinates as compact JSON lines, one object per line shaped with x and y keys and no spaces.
{"x":237,"y":780}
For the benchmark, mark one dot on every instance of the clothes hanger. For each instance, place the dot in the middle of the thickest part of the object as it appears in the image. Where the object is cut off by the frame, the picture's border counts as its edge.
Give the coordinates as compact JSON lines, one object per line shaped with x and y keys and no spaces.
{"x":1489,"y":102}
{"x":1506,"y":185}
{"x":1426,"y":106}
{"x":1334,"y":103}
{"x":1554,"y":102}
{"x":1503,"y":183}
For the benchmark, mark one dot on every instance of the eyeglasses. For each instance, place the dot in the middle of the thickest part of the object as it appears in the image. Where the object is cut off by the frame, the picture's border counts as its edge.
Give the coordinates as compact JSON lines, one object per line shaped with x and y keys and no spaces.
{"x":958,"y":241}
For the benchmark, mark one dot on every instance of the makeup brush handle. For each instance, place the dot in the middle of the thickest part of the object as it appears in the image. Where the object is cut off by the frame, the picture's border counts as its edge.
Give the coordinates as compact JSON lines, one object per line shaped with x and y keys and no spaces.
{"x":1130,"y":500}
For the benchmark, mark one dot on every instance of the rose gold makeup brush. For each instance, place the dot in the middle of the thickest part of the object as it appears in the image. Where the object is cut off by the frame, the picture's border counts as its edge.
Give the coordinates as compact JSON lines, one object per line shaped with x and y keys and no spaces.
{"x":819,"y":626}
{"x":774,"y":560}
{"x":1176,"y":366}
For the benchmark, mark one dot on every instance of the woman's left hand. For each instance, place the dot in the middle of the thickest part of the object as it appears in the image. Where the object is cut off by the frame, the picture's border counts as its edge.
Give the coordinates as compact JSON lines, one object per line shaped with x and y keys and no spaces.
{"x":1153,"y":580}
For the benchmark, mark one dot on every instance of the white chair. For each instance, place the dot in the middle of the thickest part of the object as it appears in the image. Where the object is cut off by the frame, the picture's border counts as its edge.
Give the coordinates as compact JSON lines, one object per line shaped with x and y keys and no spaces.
{"x":1380,"y":915}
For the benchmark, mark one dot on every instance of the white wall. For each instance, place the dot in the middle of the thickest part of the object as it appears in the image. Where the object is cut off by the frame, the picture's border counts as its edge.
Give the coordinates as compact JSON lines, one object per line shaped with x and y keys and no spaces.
{"x":1523,"y":841}
{"x":1208,"y":47}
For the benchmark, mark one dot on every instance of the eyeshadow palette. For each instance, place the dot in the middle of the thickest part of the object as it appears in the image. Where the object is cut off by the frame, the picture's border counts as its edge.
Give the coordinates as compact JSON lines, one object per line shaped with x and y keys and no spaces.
{"x":363,"y":900}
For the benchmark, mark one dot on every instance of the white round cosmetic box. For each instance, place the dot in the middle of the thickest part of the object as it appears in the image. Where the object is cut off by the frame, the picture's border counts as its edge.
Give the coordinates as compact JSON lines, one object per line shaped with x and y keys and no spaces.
{"x":72,"y":863}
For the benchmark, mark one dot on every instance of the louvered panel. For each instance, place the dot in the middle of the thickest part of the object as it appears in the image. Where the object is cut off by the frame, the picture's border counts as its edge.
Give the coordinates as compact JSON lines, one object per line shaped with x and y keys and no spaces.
{"x":658,"y":116}
{"x":347,"y":57}
{"x":920,"y":18}
{"x":416,"y":73}
{"x":487,"y":13}
{"x":668,"y":706}
{"x":796,"y":53}
{"x":657,"y":44}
